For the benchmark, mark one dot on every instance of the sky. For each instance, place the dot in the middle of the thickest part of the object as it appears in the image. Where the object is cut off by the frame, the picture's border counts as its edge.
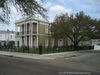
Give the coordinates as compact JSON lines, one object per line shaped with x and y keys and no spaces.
{"x":55,"y":7}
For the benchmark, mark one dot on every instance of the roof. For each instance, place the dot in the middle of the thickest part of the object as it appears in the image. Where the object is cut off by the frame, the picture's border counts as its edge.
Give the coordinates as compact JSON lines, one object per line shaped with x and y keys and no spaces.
{"x":6,"y":31}
{"x":39,"y":18}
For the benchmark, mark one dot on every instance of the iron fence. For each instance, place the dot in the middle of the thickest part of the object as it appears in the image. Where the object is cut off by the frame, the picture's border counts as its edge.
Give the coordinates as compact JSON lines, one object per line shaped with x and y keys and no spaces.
{"x":44,"y":50}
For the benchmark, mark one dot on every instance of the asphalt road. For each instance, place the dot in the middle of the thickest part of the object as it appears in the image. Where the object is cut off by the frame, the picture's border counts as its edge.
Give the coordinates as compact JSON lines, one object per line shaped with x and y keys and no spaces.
{"x":21,"y":66}
{"x":90,"y":59}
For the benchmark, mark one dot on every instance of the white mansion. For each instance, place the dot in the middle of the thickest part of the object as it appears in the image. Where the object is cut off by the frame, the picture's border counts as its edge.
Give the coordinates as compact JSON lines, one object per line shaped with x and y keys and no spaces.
{"x":32,"y":32}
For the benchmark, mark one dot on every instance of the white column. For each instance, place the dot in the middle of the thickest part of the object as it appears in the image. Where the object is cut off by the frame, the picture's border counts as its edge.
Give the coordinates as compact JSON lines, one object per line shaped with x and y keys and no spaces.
{"x":37,"y":33}
{"x":24,"y":28}
{"x":31,"y":41}
{"x":25,"y":43}
{"x":20,"y":29}
{"x":26,"y":33}
{"x":16,"y":37}
{"x":32,"y":28}
{"x":24,"y":40}
{"x":29,"y":27}
{"x":20,"y":42}
{"x":31,"y":34}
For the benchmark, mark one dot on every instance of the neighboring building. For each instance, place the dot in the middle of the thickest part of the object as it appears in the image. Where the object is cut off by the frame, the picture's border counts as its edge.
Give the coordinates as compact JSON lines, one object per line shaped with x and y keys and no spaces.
{"x":95,"y":42}
{"x":6,"y":36}
{"x":91,"y":42}
{"x":85,"y":43}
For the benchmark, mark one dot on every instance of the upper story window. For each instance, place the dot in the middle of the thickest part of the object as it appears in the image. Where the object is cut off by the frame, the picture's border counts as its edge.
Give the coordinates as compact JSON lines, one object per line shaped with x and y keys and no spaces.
{"x":28,"y":28}
{"x":23,"y":29}
{"x":34,"y":27}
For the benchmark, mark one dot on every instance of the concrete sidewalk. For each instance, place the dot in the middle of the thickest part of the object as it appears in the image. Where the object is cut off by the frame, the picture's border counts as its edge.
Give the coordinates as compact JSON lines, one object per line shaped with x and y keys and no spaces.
{"x":23,"y":55}
{"x":46,"y":56}
{"x":37,"y":56}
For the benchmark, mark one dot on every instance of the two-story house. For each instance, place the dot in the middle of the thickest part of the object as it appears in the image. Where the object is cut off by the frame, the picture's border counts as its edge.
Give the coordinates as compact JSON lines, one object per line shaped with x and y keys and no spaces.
{"x":6,"y":36}
{"x":32,"y":32}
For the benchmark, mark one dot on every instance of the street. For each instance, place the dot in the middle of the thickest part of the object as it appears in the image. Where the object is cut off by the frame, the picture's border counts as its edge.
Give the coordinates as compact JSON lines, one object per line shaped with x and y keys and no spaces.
{"x":82,"y":65}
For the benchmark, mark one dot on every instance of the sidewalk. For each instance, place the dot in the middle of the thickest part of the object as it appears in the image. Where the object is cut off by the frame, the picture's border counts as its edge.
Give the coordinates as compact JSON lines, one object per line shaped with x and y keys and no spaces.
{"x":23,"y":55}
{"x":46,"y":56}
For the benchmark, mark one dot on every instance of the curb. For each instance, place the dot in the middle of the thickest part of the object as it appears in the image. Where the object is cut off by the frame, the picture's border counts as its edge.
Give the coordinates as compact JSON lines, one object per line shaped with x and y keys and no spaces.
{"x":23,"y":55}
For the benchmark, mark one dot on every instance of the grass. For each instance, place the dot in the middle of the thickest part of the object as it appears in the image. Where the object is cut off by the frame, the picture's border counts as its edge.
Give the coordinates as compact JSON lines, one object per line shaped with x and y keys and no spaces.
{"x":44,"y":51}
{"x":71,"y":56}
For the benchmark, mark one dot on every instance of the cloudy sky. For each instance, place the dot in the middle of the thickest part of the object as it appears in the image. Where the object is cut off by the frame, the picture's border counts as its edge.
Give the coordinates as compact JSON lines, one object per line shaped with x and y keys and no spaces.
{"x":54,"y":7}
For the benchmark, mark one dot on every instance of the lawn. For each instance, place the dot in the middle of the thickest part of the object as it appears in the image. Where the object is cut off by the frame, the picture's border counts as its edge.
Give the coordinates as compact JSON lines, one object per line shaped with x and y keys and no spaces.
{"x":43,"y":51}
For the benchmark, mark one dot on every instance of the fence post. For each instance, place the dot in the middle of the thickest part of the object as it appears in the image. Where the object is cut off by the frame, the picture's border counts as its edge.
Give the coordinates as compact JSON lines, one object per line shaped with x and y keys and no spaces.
{"x":40,"y":49}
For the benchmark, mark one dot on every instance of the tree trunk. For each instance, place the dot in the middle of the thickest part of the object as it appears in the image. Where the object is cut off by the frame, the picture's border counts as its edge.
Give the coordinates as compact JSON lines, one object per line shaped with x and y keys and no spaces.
{"x":75,"y":45}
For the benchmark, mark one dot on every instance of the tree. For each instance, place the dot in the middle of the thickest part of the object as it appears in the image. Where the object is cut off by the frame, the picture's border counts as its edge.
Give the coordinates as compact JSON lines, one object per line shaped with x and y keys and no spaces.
{"x":11,"y":44}
{"x":75,"y":27}
{"x":26,"y":7}
{"x":96,"y":33}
